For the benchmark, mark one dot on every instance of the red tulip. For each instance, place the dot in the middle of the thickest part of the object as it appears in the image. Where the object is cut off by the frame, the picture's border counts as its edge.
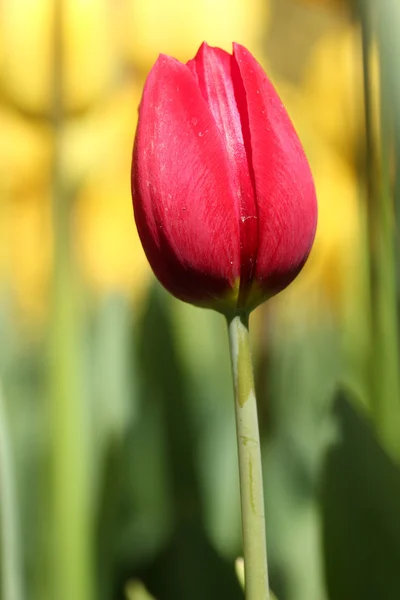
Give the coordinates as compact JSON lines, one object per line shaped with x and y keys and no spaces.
{"x":223,"y":196}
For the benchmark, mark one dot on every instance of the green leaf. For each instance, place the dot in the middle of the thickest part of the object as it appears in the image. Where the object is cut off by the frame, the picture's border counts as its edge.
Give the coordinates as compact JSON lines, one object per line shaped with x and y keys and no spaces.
{"x":202,"y":345}
{"x":360,"y":501}
{"x":295,"y":404}
{"x":188,"y":566}
{"x":135,"y":590}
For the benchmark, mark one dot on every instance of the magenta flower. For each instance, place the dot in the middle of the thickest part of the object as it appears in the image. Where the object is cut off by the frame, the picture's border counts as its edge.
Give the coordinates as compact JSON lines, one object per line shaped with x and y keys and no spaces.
{"x":223,"y":196}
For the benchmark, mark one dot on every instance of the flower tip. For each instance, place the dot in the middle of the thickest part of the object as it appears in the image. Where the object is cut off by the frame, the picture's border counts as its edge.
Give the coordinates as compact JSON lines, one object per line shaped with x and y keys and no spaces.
{"x":203,"y":50}
{"x":239,"y":51}
{"x":162,"y":66}
{"x":162,"y":58}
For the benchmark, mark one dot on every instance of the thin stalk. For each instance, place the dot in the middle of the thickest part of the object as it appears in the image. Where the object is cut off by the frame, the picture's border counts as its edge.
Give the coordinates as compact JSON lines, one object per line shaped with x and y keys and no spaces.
{"x":250,"y":469}
{"x":11,"y":568}
{"x":71,"y":558}
{"x":381,"y":233}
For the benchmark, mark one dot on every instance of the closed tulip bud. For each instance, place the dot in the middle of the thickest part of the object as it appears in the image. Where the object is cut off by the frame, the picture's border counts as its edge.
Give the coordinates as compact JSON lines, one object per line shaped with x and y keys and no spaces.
{"x":223,"y":196}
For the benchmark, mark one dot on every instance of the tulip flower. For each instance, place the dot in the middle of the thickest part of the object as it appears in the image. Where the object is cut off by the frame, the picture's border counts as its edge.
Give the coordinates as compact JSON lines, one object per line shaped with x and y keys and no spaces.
{"x":223,"y":196}
{"x":225,"y":207}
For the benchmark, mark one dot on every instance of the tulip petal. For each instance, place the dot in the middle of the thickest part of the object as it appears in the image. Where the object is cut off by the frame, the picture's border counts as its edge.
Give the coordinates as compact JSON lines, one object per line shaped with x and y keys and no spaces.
{"x":184,"y":207}
{"x":285,"y":191}
{"x":221,"y":86}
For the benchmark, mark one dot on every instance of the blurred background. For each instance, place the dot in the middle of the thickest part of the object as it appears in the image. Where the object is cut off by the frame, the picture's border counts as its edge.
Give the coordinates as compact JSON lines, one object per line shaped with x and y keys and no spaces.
{"x":118,"y":466}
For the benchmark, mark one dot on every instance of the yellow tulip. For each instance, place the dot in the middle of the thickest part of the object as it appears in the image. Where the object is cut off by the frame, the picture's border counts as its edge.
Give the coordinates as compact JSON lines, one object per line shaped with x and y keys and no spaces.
{"x":27,"y":52}
{"x":25,"y":151}
{"x":103,"y":137}
{"x":96,"y":158}
{"x":25,"y":212}
{"x":26,"y":251}
{"x":177,"y":27}
{"x":332,"y":90}
{"x":106,"y":239}
{"x":330,"y":3}
{"x":335,"y":258}
{"x":107,"y":243}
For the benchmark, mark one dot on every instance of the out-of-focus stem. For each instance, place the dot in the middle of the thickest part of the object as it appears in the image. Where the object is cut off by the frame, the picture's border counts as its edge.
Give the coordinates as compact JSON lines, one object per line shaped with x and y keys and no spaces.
{"x":71,"y":548}
{"x":250,"y":471}
{"x":380,"y":215}
{"x":11,"y":568}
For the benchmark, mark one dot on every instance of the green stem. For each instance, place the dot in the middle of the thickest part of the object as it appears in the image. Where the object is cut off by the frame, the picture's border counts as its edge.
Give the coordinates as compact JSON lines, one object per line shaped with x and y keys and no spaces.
{"x":71,"y":558}
{"x":381,"y":236}
{"x":11,"y":575}
{"x":250,"y":470}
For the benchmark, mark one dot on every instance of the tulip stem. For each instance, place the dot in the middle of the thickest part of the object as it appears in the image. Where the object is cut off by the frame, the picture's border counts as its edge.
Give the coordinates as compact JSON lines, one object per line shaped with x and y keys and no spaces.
{"x":11,"y":567}
{"x":250,"y":470}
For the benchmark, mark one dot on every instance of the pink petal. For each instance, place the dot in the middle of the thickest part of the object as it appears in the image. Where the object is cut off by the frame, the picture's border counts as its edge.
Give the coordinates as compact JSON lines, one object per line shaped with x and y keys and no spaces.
{"x":221,"y":86}
{"x":183,"y":204}
{"x":285,"y":191}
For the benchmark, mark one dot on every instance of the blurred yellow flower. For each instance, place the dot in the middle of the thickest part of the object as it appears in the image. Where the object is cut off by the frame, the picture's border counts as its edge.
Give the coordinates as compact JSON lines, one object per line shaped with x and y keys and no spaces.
{"x":178,"y":28}
{"x":25,"y":150}
{"x":26,"y":250}
{"x":107,"y":242}
{"x":26,"y":51}
{"x":103,"y":137}
{"x":330,"y":3}
{"x":334,"y":263}
{"x":96,"y":156}
{"x":332,"y":90}
{"x":25,"y":219}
